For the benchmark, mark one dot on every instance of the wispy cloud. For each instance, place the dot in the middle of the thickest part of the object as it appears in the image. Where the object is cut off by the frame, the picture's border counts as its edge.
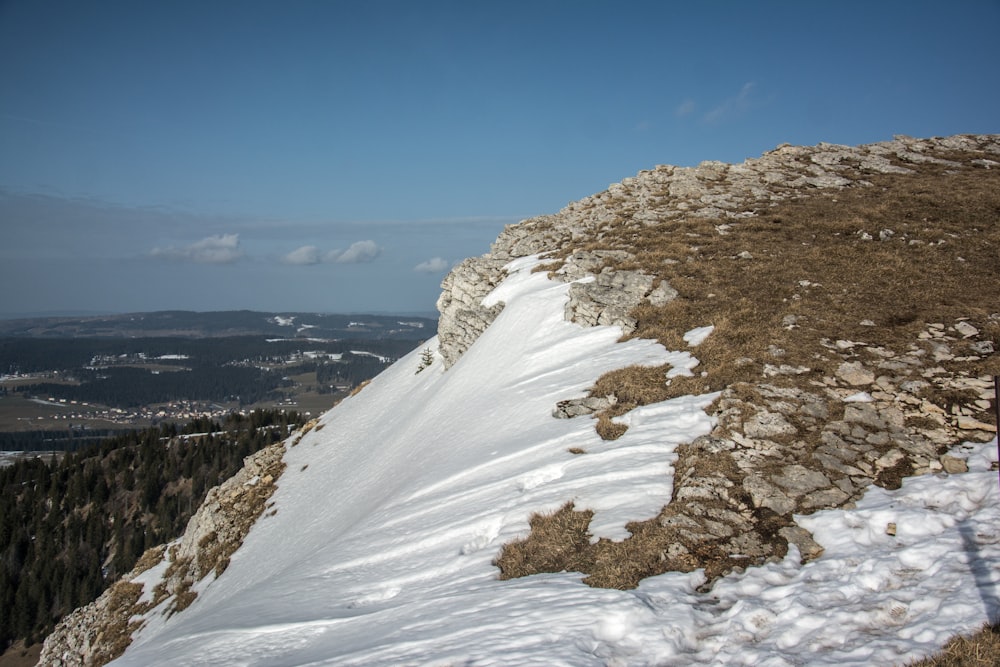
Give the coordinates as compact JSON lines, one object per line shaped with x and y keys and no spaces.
{"x":219,"y":249}
{"x":433,"y":265}
{"x":685,"y":108}
{"x":734,"y":105}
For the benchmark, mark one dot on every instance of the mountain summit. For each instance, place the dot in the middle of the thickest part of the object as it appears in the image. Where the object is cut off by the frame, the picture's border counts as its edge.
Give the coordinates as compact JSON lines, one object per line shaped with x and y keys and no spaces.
{"x":728,"y":414}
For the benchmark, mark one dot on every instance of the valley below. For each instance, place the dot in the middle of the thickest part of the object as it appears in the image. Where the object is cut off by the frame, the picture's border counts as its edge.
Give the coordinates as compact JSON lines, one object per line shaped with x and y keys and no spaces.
{"x":67,"y":382}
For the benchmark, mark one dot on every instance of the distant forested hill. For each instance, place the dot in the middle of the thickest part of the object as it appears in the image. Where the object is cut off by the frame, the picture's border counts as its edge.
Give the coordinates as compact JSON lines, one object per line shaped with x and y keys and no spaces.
{"x":226,"y":323}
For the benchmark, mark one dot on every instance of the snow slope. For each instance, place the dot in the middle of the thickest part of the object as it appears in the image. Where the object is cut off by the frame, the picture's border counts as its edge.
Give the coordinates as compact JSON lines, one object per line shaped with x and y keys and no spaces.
{"x":390,"y":513}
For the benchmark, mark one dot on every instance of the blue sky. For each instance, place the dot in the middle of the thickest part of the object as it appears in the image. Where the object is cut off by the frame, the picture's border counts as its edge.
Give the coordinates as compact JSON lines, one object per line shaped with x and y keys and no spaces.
{"x":340,"y":156}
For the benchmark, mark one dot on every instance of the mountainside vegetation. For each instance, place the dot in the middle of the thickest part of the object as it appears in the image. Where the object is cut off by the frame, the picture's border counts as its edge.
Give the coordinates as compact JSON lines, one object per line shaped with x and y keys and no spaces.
{"x":71,"y":526}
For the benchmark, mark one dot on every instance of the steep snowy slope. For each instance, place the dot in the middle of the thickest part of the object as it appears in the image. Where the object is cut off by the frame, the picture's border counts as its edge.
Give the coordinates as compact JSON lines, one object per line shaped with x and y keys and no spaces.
{"x":390,"y":515}
{"x":391,"y":511}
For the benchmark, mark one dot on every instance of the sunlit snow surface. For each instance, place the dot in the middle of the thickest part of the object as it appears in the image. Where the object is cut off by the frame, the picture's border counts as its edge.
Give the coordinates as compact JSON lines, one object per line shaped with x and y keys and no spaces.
{"x":388,"y":518}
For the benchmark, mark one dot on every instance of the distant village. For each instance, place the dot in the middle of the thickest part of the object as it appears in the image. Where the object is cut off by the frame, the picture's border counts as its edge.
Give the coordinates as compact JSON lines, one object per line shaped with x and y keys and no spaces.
{"x":181,"y":410}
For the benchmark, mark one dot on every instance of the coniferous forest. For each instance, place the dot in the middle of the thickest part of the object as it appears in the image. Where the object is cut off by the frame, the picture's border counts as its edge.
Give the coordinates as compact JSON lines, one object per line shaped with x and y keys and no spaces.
{"x":70,"y":526}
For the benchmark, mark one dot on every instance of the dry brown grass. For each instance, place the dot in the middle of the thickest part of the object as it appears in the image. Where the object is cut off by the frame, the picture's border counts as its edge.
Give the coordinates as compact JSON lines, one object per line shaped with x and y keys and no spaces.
{"x":308,"y":426}
{"x":558,"y":542}
{"x":810,"y":261}
{"x":114,"y":637}
{"x":633,"y":386}
{"x":609,"y":429}
{"x":150,"y":558}
{"x":979,"y":650}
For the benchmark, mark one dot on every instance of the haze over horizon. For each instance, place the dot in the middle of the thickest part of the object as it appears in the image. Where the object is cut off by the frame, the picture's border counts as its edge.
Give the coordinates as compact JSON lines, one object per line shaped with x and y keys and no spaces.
{"x":341,"y":157}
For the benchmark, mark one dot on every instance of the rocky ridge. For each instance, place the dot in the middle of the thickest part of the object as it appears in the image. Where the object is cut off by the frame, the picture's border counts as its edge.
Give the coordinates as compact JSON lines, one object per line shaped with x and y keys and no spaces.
{"x":791,"y":442}
{"x":712,"y":190}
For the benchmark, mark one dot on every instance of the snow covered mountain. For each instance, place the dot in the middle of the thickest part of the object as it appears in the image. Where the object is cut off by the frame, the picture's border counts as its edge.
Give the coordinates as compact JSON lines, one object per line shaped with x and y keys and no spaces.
{"x":372,"y":537}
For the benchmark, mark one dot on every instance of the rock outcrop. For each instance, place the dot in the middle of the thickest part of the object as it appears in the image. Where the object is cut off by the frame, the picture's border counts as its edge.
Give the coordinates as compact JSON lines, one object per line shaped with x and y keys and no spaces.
{"x":463,"y":317}
{"x":713,"y":190}
{"x":791,"y":451}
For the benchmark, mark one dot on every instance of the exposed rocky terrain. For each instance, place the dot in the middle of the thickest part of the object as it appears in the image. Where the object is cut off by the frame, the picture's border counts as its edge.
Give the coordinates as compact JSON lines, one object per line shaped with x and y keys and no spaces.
{"x":796,"y":435}
{"x":715,"y":191}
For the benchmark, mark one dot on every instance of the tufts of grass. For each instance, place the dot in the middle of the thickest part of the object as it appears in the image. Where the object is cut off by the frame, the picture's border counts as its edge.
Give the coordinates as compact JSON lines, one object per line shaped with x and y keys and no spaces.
{"x":979,"y":650}
{"x":633,"y":386}
{"x":609,"y":429}
{"x":117,"y":635}
{"x":150,"y":558}
{"x":558,"y":542}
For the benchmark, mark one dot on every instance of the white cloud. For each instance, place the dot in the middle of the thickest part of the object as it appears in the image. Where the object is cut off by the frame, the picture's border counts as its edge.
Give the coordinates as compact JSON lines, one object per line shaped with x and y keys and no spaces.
{"x":359,"y":252}
{"x":735,"y":105}
{"x":307,"y":254}
{"x":433,"y":265}
{"x":219,"y":249}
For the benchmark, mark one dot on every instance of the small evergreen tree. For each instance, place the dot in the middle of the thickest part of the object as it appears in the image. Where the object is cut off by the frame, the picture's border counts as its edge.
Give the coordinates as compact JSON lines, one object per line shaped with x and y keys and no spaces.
{"x":426,"y":359}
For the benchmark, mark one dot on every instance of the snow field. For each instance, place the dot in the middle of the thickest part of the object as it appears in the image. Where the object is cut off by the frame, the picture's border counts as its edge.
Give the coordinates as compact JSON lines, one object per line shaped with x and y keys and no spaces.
{"x":391,"y":511}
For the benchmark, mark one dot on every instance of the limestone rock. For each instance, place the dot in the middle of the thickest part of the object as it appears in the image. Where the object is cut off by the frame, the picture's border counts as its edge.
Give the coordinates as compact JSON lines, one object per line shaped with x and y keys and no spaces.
{"x":800,"y":480}
{"x":954,"y":465}
{"x":809,"y":548}
{"x":966,"y":330}
{"x":832,"y":497}
{"x":581,"y":264}
{"x":969,"y":424}
{"x":463,"y":315}
{"x":767,"y":495}
{"x":766,"y":425}
{"x":611,"y":296}
{"x":855,"y":374}
{"x":983,"y":347}
{"x":582,"y":406}
{"x":662,"y":294}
